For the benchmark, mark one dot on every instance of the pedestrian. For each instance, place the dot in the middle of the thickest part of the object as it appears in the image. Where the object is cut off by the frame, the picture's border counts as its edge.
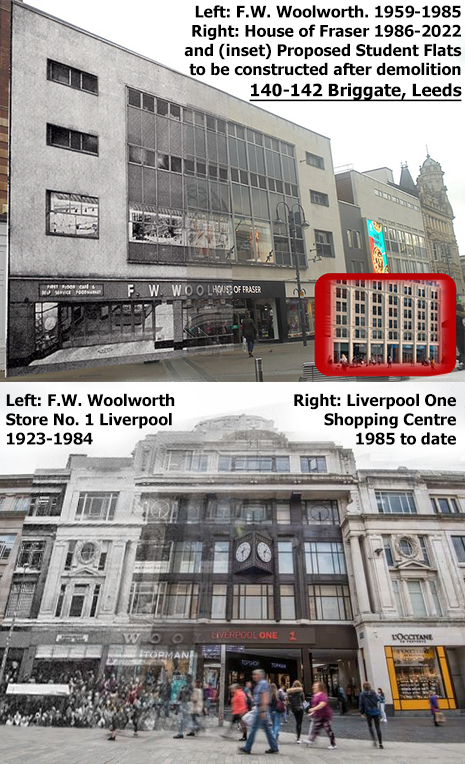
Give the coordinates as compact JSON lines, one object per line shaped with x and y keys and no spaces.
{"x":277,"y":709}
{"x":433,"y":364}
{"x":382,"y":705}
{"x":350,"y":694}
{"x":184,"y":699}
{"x":283,"y":691}
{"x":296,"y":699}
{"x":369,"y":708}
{"x":249,"y":331}
{"x":321,"y":714}
{"x":239,"y":708}
{"x":341,"y":699}
{"x":434,"y":707}
{"x":389,"y":361}
{"x":248,"y":689}
{"x":196,"y":708}
{"x":261,"y":718}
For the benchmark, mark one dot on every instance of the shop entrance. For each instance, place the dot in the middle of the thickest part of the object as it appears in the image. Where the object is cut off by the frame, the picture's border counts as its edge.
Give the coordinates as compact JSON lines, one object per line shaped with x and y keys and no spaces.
{"x":264,"y":315}
{"x":279,"y":666}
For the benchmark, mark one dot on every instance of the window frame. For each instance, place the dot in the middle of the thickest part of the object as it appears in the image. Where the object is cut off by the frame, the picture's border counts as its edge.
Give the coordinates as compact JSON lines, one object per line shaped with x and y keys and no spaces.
{"x":83,"y":198}
{"x":72,"y":134}
{"x":382,"y":503}
{"x":71,"y":69}
{"x":109,"y":504}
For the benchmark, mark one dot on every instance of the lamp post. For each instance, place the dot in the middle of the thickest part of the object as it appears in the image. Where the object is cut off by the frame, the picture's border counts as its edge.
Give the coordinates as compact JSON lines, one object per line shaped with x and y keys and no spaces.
{"x":291,"y":219}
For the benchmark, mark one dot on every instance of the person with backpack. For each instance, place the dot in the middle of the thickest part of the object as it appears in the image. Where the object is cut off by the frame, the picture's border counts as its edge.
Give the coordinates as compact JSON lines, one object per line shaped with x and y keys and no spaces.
{"x":277,"y":709}
{"x":296,"y":699}
{"x":321,"y":714}
{"x":369,"y":708}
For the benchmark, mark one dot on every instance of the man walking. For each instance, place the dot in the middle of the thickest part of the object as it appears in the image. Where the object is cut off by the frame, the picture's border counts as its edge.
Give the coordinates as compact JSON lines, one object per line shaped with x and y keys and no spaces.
{"x":261,"y":695}
{"x":369,"y":708}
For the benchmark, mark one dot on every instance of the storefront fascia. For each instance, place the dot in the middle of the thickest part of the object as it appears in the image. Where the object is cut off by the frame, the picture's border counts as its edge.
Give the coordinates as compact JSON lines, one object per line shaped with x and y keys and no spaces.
{"x":408,"y":661}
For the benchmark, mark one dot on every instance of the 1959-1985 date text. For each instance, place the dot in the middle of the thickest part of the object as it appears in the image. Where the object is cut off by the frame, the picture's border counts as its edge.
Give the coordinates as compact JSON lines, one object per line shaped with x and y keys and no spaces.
{"x":41,"y":438}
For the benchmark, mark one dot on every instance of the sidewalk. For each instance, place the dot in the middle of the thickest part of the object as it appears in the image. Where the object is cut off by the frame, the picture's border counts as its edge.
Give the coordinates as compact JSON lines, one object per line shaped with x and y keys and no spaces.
{"x":80,"y":746}
{"x":280,"y":363}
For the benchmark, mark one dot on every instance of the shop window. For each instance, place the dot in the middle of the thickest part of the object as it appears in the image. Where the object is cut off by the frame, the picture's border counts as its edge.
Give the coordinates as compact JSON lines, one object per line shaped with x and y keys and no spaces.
{"x":253,"y":464}
{"x":6,"y":545}
{"x":287,"y":602}
{"x":64,"y":138}
{"x":395,"y":502}
{"x":221,"y":557}
{"x":74,"y":78}
{"x":45,"y":505}
{"x":417,"y":672}
{"x":321,"y":512}
{"x":314,"y":160}
{"x":311,"y":464}
{"x":187,"y":461}
{"x":285,"y":557}
{"x":459,"y":546}
{"x":253,"y":602}
{"x":72,"y":215}
{"x":30,"y":555}
{"x":20,"y":599}
{"x":187,"y":557}
{"x":317,"y":197}
{"x":329,"y":603}
{"x":218,"y":603}
{"x":445,"y":506}
{"x":325,"y":558}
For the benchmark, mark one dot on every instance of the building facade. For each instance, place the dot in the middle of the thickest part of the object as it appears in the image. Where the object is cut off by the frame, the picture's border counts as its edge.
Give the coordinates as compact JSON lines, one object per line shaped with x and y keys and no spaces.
{"x":152,"y":226}
{"x":376,"y":320}
{"x":409,"y":593}
{"x":379,"y":201}
{"x":438,"y":218}
{"x":229,"y":546}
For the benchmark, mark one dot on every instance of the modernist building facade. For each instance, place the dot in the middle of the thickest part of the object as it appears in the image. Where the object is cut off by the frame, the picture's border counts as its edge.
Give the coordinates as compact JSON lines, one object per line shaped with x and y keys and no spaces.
{"x":379,"y":319}
{"x":229,"y":546}
{"x":151,"y":229}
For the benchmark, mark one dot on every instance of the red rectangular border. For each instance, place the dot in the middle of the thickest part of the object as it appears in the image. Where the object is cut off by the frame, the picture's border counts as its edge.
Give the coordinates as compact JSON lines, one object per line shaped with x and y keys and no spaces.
{"x":323,"y":339}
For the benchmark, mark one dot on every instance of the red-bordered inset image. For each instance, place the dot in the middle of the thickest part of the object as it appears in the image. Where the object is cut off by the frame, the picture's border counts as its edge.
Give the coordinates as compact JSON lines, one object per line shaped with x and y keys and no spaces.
{"x":371,"y":324}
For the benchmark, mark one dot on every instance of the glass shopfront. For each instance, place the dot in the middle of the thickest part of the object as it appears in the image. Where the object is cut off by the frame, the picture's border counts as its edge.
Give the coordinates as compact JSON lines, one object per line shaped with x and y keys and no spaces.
{"x":414,"y":672}
{"x":294,"y":327}
{"x":207,"y":323}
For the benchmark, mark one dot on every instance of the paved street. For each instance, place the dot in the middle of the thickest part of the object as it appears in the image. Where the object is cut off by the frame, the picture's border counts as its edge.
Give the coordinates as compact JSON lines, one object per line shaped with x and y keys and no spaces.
{"x":406,"y":740}
{"x":281,"y":363}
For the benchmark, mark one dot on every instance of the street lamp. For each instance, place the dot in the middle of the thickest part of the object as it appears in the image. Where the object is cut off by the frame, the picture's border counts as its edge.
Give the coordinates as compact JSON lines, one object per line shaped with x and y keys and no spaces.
{"x":291,"y":219}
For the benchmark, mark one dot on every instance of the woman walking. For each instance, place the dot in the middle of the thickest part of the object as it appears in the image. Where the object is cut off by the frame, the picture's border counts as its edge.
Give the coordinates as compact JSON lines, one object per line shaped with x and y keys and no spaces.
{"x":296,"y":698}
{"x":382,"y":705}
{"x":277,"y":709}
{"x":321,"y":714}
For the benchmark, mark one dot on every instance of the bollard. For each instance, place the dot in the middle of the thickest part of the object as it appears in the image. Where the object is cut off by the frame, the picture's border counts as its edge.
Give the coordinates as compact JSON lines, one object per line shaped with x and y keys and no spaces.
{"x":258,"y":370}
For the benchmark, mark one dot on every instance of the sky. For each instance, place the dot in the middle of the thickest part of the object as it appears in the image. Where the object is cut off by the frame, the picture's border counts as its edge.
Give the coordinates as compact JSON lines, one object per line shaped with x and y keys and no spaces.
{"x":363,"y":134}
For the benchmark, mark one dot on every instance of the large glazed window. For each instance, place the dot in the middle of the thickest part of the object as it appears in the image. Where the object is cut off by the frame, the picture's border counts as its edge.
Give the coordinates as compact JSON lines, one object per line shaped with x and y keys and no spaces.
{"x":72,"y":215}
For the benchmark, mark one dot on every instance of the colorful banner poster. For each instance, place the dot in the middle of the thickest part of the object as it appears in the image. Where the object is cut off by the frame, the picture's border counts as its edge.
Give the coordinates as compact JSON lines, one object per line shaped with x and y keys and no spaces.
{"x":377,"y":246}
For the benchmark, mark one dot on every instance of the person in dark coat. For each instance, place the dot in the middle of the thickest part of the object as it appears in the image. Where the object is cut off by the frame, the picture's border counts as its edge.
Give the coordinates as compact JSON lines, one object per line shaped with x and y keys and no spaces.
{"x":369,"y":708}
{"x":249,"y":331}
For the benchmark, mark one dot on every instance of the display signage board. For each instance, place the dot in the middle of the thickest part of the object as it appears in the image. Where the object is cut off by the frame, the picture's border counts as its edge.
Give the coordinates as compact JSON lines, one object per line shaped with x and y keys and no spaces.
{"x":411,"y":639}
{"x":377,"y":246}
{"x":57,"y":289}
{"x":72,"y":639}
{"x":256,"y":635}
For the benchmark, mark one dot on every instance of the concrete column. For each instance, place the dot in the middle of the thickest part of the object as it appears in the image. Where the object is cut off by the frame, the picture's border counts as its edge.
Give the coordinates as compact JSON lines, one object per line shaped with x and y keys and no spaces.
{"x":53,"y":582}
{"x":126,"y":578}
{"x":359,"y":575}
{"x":114,"y":574}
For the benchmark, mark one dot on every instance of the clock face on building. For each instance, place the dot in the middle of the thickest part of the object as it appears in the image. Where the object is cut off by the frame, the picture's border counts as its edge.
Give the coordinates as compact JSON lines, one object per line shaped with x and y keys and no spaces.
{"x":264,"y":551}
{"x":243,"y":551}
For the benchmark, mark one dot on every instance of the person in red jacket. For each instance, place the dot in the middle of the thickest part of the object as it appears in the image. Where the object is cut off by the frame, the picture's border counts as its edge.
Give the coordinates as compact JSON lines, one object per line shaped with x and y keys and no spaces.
{"x":239,"y":707}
